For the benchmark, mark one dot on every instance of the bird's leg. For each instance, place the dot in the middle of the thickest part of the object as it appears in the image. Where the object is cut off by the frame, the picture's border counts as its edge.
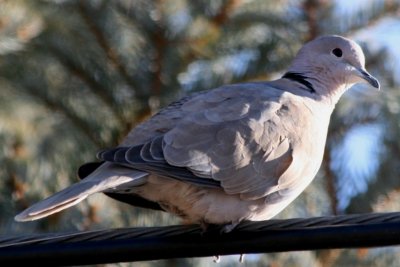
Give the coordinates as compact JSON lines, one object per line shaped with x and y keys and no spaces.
{"x":204,"y":227}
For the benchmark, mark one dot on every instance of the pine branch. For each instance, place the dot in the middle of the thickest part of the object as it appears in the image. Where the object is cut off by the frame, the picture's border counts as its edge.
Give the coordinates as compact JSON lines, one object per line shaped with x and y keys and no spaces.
{"x":386,"y":181}
{"x":102,"y":41}
{"x":58,"y":106}
{"x":391,"y":8}
{"x":94,"y":86}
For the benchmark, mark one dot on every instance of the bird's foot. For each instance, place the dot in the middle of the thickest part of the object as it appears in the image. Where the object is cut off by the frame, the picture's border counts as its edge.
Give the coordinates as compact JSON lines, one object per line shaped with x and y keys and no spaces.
{"x":227,"y":228}
{"x":217,"y":259}
{"x":241,"y":258}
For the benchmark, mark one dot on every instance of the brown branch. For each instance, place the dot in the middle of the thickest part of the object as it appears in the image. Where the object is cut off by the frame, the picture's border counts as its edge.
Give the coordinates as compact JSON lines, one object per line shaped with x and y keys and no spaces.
{"x":223,"y":15}
{"x":330,"y":181}
{"x":160,"y":43}
{"x":311,"y":8}
{"x":16,"y":186}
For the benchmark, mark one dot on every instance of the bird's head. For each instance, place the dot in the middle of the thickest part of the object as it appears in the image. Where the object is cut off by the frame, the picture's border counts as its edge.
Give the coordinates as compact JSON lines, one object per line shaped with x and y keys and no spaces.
{"x":332,"y":64}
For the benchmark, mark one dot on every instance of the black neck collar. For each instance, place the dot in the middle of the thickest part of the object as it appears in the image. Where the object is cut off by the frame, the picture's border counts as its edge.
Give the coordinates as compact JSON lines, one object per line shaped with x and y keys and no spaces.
{"x":300,"y":79}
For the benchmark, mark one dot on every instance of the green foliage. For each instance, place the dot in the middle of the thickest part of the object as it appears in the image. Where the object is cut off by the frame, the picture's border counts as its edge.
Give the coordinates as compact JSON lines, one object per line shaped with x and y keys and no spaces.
{"x":76,"y":76}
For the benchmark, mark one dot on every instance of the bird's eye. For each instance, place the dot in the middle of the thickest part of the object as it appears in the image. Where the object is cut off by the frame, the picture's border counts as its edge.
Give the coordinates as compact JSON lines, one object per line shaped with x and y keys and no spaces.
{"x":337,"y":52}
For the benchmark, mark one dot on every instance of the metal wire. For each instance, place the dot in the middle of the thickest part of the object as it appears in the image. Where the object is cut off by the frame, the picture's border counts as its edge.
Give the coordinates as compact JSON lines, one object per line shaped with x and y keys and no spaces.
{"x":150,"y":243}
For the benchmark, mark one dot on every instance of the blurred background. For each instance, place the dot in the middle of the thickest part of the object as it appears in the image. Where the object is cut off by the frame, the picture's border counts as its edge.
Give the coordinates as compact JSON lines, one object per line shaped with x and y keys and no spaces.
{"x":76,"y":76}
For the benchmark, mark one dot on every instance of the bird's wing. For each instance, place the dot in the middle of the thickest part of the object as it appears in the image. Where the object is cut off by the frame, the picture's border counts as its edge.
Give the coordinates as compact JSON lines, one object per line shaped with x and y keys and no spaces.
{"x":235,"y":137}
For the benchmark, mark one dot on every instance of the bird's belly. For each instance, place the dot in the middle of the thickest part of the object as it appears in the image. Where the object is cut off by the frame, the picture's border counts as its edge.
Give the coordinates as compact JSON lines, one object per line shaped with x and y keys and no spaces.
{"x":198,"y":204}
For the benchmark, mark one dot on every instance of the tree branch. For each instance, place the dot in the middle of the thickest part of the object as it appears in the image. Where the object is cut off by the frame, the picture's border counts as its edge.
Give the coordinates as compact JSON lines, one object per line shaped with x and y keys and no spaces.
{"x":330,"y":181}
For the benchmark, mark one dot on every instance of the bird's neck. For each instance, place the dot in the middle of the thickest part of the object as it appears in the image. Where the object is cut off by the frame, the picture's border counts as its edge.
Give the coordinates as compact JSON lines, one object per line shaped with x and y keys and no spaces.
{"x":322,"y":84}
{"x":329,"y":91}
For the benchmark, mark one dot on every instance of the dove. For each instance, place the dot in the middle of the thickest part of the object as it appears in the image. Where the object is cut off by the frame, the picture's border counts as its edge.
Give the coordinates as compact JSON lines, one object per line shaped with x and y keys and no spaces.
{"x":238,"y":152}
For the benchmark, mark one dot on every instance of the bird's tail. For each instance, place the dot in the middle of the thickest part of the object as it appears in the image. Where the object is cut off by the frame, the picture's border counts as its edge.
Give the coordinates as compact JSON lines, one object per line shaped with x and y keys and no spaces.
{"x":107,"y":177}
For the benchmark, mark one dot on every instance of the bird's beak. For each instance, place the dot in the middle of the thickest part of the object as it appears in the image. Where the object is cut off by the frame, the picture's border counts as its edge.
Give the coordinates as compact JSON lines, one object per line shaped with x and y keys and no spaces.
{"x":363,"y":74}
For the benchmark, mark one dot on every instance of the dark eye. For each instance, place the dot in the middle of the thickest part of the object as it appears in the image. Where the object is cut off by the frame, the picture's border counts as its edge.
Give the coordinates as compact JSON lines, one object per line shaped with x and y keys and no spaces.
{"x":337,"y":52}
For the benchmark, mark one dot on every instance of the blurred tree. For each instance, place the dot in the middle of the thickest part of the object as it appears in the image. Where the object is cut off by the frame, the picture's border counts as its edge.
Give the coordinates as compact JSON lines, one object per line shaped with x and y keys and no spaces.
{"x":76,"y":76}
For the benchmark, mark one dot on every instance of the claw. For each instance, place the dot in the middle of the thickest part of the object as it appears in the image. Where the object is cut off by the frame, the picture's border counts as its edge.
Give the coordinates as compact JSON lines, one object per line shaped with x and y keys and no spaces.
{"x":241,"y":258}
{"x":217,"y":259}
{"x":229,"y":227}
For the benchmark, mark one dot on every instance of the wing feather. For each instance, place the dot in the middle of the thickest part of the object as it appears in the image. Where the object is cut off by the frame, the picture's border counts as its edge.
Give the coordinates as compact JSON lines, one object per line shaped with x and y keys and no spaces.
{"x":231,"y":137}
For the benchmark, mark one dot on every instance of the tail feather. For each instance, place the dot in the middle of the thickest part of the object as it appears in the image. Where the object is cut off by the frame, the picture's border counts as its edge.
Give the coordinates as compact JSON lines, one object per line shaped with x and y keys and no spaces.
{"x":106,"y":178}
{"x":57,"y":202}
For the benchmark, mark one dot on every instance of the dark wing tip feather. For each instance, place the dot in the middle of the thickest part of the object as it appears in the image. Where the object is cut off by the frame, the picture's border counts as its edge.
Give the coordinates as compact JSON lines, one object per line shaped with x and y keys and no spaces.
{"x":119,"y":155}
{"x":87,"y":168}
{"x":135,"y":200}
{"x":156,"y":148}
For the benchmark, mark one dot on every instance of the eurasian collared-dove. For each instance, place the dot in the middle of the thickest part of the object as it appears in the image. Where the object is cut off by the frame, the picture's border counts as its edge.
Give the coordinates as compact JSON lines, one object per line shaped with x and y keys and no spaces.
{"x":238,"y":152}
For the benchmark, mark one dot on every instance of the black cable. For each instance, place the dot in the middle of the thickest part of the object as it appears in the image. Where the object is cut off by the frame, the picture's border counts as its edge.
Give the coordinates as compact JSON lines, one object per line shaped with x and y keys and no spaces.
{"x":151,"y":243}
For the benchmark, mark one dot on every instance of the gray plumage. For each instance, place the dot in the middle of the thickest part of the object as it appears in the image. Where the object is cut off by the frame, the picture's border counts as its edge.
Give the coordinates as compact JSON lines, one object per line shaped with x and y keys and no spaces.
{"x":238,"y":152}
